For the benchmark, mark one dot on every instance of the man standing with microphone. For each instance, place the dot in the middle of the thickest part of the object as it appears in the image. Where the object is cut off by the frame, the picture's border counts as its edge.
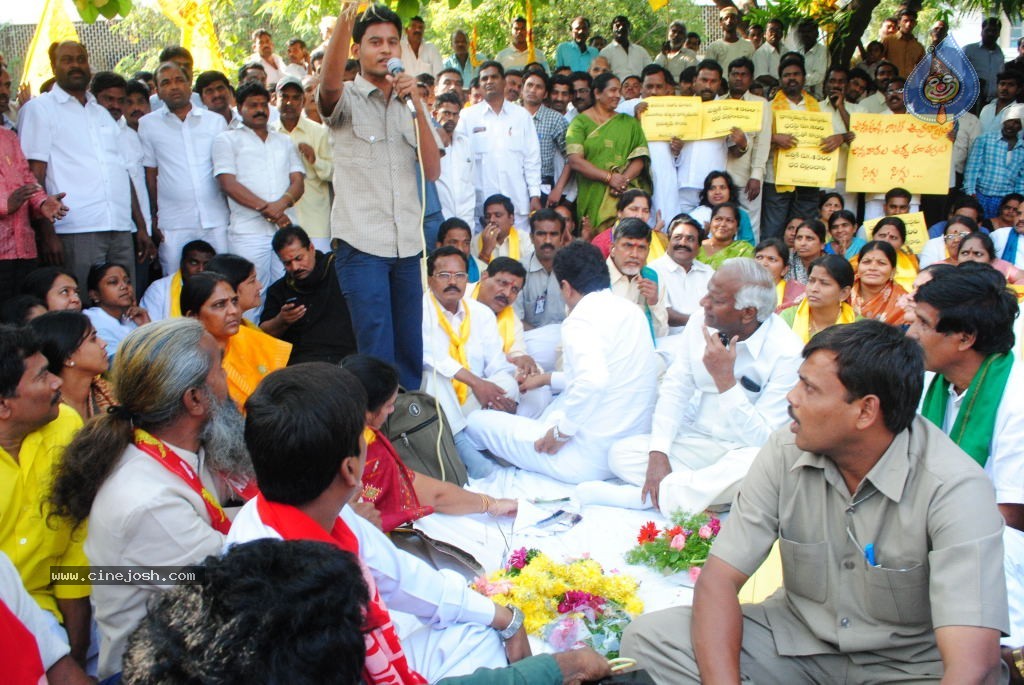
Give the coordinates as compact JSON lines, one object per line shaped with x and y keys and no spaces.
{"x":378,"y":224}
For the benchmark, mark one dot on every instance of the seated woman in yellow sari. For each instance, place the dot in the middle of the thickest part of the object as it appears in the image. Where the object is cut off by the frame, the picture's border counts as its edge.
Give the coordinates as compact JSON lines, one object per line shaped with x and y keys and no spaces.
{"x":772,"y":254}
{"x":399,"y":494}
{"x":249,"y":353}
{"x":875,"y":295}
{"x":608,"y":152}
{"x":829,"y":281}
{"x":892,"y":230}
{"x":721,"y":243}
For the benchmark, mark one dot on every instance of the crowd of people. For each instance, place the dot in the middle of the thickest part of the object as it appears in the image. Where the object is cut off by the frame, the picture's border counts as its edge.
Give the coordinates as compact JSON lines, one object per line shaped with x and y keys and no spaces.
{"x":214,"y":290}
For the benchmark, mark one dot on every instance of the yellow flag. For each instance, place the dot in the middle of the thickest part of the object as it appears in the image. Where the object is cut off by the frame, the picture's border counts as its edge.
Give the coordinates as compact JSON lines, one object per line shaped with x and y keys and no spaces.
{"x":657,"y":4}
{"x":531,"y":51}
{"x":198,"y":35}
{"x":54,"y":26}
{"x":473,"y":49}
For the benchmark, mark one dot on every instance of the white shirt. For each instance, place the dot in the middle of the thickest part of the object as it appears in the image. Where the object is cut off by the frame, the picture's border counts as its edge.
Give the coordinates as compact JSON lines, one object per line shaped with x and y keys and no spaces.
{"x":816,"y":63}
{"x":505,"y":152}
{"x":182,"y":153}
{"x":510,"y":58}
{"x":990,"y":121}
{"x":683,"y":289}
{"x":689,"y":401}
{"x":484,"y":354}
{"x":664,"y":174}
{"x":766,"y":61}
{"x":111,"y":330}
{"x":131,"y":150}
{"x":838,"y":126}
{"x":144,"y":515}
{"x":626,"y":287}
{"x":625,"y":63}
{"x":81,"y":148}
{"x":156,"y":103}
{"x":874,"y":103}
{"x":262,"y":166}
{"x":999,"y":238}
{"x":414,"y":592}
{"x":1005,"y":465}
{"x":428,"y":61}
{"x":274,"y":67}
{"x":698,"y":158}
{"x":455,"y":185}
{"x":611,"y":370}
{"x":933,"y":251}
{"x":157,"y":299}
{"x":51,"y":639}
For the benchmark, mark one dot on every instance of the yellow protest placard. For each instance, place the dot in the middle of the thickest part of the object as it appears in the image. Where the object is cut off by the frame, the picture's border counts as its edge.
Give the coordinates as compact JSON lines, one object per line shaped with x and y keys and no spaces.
{"x":807,"y":127}
{"x":898,"y":150}
{"x":718,"y":117}
{"x":672,"y":116}
{"x":917,"y":230}
{"x":805,"y":164}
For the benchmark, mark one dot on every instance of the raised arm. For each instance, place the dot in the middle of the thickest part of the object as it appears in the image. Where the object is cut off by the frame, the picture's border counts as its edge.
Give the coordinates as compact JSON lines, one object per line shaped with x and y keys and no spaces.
{"x":333,"y":70}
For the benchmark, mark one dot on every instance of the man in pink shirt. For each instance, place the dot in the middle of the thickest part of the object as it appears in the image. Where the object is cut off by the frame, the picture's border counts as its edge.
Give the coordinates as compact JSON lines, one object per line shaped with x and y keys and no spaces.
{"x":21,"y":199}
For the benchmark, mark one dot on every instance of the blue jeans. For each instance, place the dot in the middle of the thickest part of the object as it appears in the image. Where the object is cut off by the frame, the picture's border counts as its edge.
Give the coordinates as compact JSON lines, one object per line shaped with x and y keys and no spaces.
{"x":385,"y":297}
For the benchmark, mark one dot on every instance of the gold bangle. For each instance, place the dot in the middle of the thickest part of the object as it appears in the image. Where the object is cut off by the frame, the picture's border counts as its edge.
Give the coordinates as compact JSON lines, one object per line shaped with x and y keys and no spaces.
{"x":483,"y":501}
{"x":609,"y":179}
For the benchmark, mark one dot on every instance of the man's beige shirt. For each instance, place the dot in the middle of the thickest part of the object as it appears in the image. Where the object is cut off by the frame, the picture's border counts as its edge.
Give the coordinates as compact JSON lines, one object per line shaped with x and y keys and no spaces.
{"x":929,"y":511}
{"x":377,"y":199}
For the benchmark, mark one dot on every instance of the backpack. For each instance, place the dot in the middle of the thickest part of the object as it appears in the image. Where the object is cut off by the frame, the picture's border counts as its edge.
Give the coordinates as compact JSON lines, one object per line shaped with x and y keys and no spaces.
{"x":412,"y":430}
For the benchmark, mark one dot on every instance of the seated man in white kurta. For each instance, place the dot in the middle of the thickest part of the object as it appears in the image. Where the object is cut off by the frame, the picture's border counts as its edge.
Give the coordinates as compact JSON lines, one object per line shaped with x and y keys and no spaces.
{"x":420,"y":621}
{"x":718,"y":402}
{"x":608,"y":386}
{"x":464,"y":366}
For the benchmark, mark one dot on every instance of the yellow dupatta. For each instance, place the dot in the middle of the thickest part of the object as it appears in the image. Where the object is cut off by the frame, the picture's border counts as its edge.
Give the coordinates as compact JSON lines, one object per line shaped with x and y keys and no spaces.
{"x":175,"y":295}
{"x":780,"y":103}
{"x":802,"y":319}
{"x":506,"y":323}
{"x":249,"y":356}
{"x":457,"y":346}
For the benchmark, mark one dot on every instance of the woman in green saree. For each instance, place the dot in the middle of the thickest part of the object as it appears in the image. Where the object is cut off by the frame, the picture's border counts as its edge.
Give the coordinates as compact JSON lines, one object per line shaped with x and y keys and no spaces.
{"x":608,"y":152}
{"x":721,"y":243}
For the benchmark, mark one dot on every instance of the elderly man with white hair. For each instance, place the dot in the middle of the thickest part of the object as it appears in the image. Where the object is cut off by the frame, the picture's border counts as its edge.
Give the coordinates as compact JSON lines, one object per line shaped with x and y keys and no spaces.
{"x":721,"y":398}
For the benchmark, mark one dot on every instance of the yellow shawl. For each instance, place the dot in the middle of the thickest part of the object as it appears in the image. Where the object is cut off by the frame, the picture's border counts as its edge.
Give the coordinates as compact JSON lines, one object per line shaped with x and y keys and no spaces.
{"x":250,"y":355}
{"x":457,"y":346}
{"x":506,"y":323}
{"x":175,"y":293}
{"x":802,"y":319}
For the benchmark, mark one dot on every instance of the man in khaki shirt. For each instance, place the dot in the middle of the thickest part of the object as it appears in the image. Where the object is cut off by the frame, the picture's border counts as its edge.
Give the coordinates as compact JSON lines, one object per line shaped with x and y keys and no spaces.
{"x":890,"y":538}
{"x":378,"y":217}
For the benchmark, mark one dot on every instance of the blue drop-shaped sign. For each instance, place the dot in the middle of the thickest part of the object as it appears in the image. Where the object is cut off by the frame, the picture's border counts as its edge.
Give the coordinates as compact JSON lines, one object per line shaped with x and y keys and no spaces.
{"x":943,"y":85}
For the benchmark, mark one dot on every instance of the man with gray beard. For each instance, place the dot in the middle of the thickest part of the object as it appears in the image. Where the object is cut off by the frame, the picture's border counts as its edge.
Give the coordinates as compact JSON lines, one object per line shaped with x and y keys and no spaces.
{"x":150,"y":475}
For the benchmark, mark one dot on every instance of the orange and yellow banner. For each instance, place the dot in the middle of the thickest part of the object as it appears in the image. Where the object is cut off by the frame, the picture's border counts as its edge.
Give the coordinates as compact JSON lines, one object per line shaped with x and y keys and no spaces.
{"x":198,"y":34}
{"x":54,"y":27}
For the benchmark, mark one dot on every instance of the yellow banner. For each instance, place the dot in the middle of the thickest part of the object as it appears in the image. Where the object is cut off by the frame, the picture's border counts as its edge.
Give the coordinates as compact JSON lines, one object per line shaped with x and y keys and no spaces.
{"x":54,"y":27}
{"x":672,"y":116}
{"x":718,"y":117}
{"x":198,"y":34}
{"x":917,"y":230}
{"x":805,"y":164}
{"x":898,"y":150}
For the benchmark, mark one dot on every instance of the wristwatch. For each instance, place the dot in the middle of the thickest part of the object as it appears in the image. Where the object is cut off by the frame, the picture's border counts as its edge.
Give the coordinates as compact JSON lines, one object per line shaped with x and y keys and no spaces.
{"x":514,"y":625}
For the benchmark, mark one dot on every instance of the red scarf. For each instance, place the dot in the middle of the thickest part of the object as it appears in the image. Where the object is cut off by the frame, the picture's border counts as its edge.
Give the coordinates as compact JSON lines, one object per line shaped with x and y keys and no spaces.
{"x":155,"y":448}
{"x":385,"y":660}
{"x":388,"y":483}
{"x":19,"y":652}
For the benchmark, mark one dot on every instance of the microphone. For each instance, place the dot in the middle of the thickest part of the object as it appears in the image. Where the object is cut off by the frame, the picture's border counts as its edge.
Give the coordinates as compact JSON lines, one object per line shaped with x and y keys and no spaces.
{"x":395,"y":68}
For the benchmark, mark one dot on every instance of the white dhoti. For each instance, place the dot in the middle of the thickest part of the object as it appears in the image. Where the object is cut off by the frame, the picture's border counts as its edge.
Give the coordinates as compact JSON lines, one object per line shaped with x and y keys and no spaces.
{"x":454,"y":650}
{"x":705,"y":472}
{"x":512,"y":437}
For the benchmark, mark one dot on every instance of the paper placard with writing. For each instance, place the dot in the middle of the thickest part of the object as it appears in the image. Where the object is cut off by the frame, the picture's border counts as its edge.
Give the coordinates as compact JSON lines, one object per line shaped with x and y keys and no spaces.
{"x":898,"y":150}
{"x":672,"y":116}
{"x":720,"y":116}
{"x":917,"y":230}
{"x":805,"y":164}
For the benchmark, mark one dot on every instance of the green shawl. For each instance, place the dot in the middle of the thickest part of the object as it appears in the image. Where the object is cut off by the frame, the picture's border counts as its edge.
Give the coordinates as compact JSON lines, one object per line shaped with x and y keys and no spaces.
{"x":976,"y":421}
